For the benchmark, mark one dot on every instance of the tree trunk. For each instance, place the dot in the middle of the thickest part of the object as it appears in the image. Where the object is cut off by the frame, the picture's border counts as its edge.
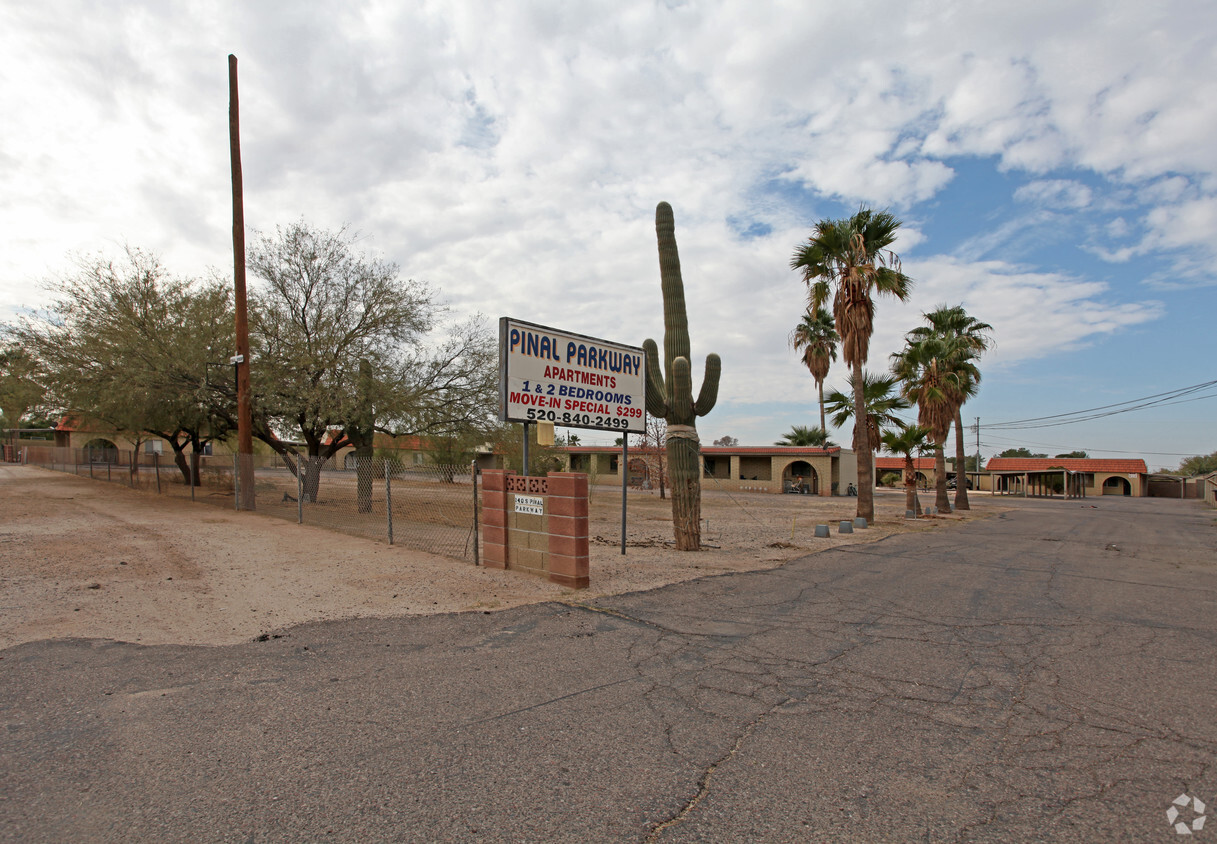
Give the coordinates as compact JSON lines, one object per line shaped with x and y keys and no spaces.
{"x":866,"y":467}
{"x":961,"y":465}
{"x":684,"y":454}
{"x":311,"y":482}
{"x":910,"y":486}
{"x":823,"y":427}
{"x":942,"y":501}
{"x":361,"y":435}
{"x":179,"y":459}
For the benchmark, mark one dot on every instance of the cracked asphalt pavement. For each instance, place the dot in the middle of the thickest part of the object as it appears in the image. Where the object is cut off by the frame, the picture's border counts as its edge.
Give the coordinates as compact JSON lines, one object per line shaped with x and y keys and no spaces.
{"x":1044,"y":675}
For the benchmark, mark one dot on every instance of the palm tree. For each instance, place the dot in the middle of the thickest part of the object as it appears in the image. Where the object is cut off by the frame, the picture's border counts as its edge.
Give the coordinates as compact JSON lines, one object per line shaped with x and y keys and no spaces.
{"x":849,"y":262}
{"x":817,"y":339}
{"x":880,"y":399}
{"x":936,"y":373}
{"x":905,"y":441}
{"x":974,"y":334}
{"x":802,"y":435}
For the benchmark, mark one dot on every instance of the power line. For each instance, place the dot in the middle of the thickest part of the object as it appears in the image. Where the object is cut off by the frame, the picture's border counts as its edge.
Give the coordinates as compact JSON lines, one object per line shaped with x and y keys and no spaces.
{"x":1166,"y":399}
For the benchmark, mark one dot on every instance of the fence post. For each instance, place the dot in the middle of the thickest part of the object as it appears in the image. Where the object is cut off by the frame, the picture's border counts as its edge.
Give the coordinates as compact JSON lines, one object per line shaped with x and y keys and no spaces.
{"x":109,"y":463}
{"x":473,"y":468}
{"x":75,"y":462}
{"x":156,"y":467}
{"x":299,"y":492}
{"x":194,"y":471}
{"x":389,"y":500}
{"x":236,"y":482}
{"x":90,"y":454}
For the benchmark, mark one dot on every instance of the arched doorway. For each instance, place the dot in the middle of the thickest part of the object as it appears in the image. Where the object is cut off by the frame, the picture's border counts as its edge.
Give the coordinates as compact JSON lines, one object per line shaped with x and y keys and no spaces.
{"x":800,"y":477}
{"x":1117,"y":486}
{"x":100,"y":450}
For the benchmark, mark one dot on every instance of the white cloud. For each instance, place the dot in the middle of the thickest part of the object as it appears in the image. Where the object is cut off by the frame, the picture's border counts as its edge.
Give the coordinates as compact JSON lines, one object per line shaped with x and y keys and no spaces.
{"x":1055,"y":193}
{"x":513,"y":155}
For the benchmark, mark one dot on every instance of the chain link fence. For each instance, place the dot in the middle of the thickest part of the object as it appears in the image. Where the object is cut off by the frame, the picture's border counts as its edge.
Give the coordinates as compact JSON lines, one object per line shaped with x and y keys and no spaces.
{"x":431,"y":508}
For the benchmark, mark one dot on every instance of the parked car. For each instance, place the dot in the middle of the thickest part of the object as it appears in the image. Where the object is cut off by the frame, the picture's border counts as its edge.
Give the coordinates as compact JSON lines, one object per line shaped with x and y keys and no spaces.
{"x":951,"y":483}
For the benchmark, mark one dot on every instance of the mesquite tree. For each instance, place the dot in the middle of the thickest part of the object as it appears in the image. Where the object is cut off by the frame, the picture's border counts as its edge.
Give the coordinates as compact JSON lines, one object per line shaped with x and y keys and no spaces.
{"x":671,"y":397}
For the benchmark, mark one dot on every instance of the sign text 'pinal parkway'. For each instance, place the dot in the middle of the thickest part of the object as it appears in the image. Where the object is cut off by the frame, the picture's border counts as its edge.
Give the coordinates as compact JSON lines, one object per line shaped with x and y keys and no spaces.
{"x":547,"y":375}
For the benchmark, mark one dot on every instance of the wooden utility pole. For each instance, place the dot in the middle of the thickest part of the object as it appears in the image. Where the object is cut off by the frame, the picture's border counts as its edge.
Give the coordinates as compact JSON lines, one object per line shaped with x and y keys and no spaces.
{"x":245,"y":443}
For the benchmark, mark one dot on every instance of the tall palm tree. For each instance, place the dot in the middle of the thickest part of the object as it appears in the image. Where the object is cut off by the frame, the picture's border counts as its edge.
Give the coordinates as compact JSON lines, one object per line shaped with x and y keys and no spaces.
{"x":816,"y":337}
{"x":880,"y":400}
{"x":848,"y":261}
{"x":958,"y":323}
{"x":904,"y":441}
{"x":802,"y":435}
{"x":936,"y":372}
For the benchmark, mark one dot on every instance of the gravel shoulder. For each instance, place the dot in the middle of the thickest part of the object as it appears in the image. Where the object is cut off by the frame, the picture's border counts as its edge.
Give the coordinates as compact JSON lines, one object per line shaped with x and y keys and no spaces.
{"x":86,"y":559}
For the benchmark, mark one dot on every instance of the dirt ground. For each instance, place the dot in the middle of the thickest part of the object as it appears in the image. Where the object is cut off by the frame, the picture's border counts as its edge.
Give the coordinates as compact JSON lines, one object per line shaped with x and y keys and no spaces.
{"x":81,"y":558}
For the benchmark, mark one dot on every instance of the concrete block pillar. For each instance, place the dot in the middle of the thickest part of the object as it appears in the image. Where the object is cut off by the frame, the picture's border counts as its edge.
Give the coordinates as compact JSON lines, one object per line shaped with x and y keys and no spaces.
{"x":567,"y":523}
{"x":494,"y":519}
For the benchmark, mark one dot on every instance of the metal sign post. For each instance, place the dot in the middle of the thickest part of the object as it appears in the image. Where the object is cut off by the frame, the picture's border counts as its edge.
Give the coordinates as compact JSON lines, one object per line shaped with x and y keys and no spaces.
{"x":625,"y":480}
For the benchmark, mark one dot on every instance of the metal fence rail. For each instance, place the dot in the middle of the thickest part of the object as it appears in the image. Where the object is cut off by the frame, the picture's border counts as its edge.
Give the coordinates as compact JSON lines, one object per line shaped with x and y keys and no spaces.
{"x":431,"y":508}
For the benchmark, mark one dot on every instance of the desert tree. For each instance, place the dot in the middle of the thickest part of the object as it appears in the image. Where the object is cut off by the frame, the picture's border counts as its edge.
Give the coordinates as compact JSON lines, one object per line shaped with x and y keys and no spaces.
{"x":848,"y":263}
{"x":652,"y":448}
{"x":974,"y":338}
{"x":341,"y":351}
{"x":806,"y":436}
{"x":815,"y":338}
{"x":881,"y":401}
{"x":128,"y":344}
{"x":937,"y":374}
{"x":19,"y":389}
{"x":906,"y":441}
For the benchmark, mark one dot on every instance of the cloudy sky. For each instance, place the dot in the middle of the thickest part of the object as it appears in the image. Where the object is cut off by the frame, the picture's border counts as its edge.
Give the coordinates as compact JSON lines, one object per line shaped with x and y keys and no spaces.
{"x":1053,"y":164}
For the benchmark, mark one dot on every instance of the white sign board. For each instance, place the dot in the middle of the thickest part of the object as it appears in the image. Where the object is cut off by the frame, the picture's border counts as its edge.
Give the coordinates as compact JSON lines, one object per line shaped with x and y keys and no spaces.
{"x":547,"y":375}
{"x":534,"y":505}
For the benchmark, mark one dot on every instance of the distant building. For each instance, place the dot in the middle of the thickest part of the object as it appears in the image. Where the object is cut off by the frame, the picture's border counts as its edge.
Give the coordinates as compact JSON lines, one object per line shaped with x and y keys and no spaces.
{"x":1073,"y":477}
{"x":773,"y":469}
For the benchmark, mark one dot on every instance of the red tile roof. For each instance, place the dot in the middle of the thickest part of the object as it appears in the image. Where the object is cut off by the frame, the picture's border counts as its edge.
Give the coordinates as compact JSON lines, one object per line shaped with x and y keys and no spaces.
{"x":1074,"y":464}
{"x":896,"y":464}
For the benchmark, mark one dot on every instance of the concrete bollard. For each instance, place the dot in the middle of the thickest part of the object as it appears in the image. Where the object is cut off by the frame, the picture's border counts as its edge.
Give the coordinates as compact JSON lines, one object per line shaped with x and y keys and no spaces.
{"x":845,"y":527}
{"x":860,"y":522}
{"x":931,"y":511}
{"x":910,"y":514}
{"x":821,"y":531}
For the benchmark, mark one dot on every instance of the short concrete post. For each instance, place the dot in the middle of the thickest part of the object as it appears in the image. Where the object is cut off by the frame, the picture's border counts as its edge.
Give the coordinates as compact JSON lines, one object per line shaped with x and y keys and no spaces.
{"x":821,"y":531}
{"x":845,"y":527}
{"x":860,"y":522}
{"x":909,"y":514}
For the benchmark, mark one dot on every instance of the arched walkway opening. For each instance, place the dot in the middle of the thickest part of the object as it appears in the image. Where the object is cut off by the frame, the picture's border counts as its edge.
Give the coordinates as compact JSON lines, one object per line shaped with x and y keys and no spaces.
{"x":100,"y":450}
{"x":1117,"y":486}
{"x":801,"y":477}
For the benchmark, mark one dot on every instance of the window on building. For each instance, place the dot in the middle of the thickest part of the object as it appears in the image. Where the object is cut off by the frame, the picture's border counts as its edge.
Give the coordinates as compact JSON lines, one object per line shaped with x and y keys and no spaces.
{"x":154,"y":447}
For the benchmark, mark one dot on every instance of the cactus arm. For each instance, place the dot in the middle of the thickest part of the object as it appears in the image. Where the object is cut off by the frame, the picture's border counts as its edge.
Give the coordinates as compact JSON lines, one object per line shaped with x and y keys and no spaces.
{"x":681,"y":400}
{"x":708,"y":396}
{"x":675,"y":319}
{"x":656,"y":393}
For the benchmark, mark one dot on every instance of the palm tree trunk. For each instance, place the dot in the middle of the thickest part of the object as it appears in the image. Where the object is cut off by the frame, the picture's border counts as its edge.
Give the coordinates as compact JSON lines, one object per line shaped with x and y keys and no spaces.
{"x":961,"y":465}
{"x":941,"y":500}
{"x":823,"y":428}
{"x":910,"y":485}
{"x":866,"y":467}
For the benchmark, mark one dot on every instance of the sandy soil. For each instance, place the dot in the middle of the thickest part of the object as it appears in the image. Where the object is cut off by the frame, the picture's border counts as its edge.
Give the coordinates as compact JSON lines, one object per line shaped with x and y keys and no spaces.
{"x":81,"y":558}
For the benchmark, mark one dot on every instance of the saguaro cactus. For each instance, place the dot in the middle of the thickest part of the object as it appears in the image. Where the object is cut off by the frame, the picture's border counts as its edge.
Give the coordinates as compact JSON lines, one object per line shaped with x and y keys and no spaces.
{"x":671,"y":396}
